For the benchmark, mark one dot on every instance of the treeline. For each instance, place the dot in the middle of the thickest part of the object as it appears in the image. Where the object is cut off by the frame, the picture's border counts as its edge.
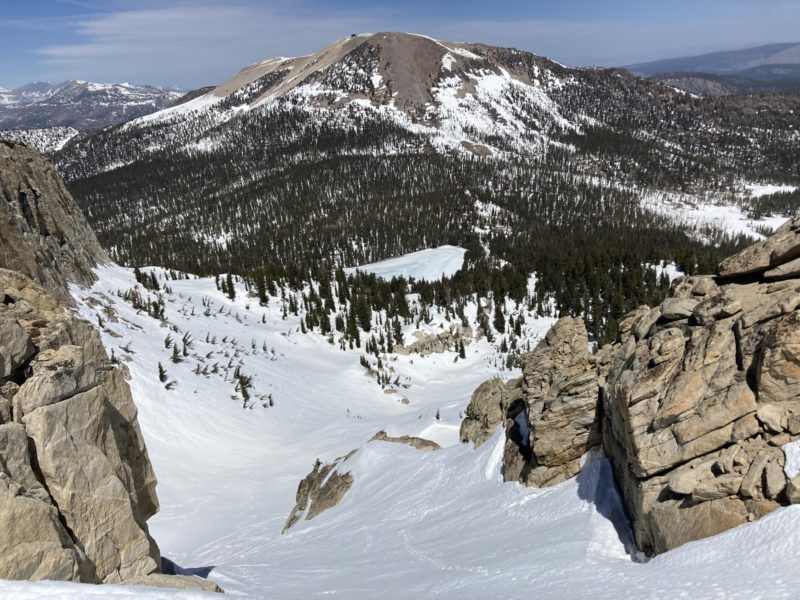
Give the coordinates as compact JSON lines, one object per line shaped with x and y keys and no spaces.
{"x":279,"y":196}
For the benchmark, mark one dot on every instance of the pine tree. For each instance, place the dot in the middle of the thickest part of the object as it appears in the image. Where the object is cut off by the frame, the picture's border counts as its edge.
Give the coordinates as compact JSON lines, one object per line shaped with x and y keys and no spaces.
{"x":499,"y":318}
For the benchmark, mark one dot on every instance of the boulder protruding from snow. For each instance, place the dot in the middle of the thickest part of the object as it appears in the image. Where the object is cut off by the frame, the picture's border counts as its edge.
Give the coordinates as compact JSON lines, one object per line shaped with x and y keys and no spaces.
{"x":321,"y":489}
{"x":486,"y":409}
{"x":415,"y":442}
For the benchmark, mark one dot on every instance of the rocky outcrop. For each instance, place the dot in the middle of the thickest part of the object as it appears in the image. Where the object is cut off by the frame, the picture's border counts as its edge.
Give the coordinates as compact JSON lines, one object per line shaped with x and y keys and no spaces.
{"x":486,"y":409}
{"x":693,"y":402}
{"x":773,"y":256}
{"x":77,"y":484}
{"x":550,"y":414}
{"x":425,"y":344}
{"x":327,"y":484}
{"x":43,"y":233}
{"x":560,"y":391}
{"x":321,"y":489}
{"x":178,"y":582}
{"x":697,"y":405}
{"x":415,"y":442}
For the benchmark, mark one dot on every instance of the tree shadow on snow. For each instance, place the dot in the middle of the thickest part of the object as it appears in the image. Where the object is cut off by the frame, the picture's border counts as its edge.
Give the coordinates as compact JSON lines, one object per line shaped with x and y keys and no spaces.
{"x":168,"y":567}
{"x":596,"y":485}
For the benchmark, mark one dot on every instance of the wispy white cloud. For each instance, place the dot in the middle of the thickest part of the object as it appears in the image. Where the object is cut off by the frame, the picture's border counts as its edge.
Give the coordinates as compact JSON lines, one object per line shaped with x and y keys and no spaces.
{"x":195,"y":42}
{"x":185,"y":45}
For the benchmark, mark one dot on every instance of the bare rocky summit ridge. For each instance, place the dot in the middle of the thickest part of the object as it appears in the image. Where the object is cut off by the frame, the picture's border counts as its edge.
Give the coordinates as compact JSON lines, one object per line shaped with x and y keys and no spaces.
{"x":43,"y":233}
{"x":692,"y":404}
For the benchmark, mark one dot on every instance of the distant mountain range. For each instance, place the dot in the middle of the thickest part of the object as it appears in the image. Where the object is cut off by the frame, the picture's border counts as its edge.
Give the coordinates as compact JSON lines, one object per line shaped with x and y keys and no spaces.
{"x":774,"y":68}
{"x":80,"y":105}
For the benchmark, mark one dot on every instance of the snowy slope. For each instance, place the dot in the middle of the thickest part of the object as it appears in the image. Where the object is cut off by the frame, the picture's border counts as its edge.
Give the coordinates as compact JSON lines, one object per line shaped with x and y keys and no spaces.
{"x":227,"y":476}
{"x":697,"y":212}
{"x":50,"y":139}
{"x":414,"y":524}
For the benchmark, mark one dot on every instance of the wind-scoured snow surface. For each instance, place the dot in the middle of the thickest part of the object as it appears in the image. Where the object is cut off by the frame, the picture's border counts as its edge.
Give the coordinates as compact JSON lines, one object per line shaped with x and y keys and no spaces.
{"x":428,"y":265}
{"x":414,"y":524}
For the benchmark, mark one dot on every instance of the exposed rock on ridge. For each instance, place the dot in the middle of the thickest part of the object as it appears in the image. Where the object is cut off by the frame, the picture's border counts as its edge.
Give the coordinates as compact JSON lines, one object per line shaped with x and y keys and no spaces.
{"x":327,"y":483}
{"x":696,"y":398}
{"x":43,"y":233}
{"x":76,"y":477}
{"x":426,"y":344}
{"x":559,"y":422}
{"x":76,"y":484}
{"x":321,"y":489}
{"x":485,"y":411}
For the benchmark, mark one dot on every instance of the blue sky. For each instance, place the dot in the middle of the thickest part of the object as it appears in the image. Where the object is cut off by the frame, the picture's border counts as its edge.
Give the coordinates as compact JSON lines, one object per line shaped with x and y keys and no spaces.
{"x":189,"y":43}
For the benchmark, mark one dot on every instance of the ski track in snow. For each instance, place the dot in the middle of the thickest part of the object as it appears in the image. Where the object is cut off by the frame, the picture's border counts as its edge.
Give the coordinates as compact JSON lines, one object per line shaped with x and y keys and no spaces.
{"x":414,"y":524}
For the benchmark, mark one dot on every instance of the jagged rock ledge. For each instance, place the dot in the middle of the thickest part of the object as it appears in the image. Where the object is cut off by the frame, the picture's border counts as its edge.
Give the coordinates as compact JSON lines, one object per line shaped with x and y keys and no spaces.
{"x":43,"y":233}
{"x":327,"y":484}
{"x":76,"y":483}
{"x":692,"y":404}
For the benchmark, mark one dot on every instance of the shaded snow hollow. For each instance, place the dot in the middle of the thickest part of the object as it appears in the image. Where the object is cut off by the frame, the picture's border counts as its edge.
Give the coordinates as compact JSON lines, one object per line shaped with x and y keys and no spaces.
{"x":414,"y":524}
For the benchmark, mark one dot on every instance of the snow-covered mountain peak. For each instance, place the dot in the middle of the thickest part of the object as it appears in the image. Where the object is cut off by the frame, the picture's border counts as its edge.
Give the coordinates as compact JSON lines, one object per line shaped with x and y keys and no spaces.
{"x":79,"y":104}
{"x":401,"y":69}
{"x":469,"y":98}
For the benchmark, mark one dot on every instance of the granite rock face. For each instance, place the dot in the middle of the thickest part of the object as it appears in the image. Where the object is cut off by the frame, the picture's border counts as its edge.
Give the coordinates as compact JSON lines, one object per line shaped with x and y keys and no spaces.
{"x":692,"y":403}
{"x":560,"y":390}
{"x":43,"y":233}
{"x":76,"y":479}
{"x":76,"y":483}
{"x":696,"y":407}
{"x":550,"y":414}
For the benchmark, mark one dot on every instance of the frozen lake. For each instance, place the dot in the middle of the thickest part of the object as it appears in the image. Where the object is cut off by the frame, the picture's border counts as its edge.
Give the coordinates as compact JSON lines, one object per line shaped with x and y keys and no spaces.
{"x":429,"y":264}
